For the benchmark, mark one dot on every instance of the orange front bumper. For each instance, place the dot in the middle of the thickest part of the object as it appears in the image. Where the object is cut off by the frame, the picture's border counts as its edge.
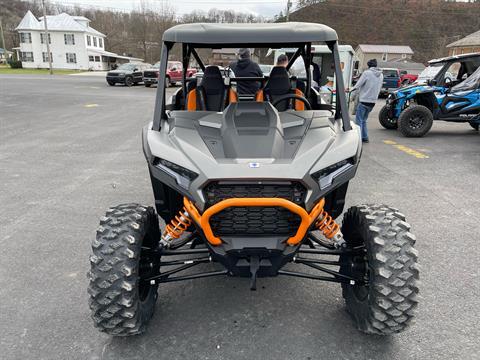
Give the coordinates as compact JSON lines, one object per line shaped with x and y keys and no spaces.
{"x":203,"y":220}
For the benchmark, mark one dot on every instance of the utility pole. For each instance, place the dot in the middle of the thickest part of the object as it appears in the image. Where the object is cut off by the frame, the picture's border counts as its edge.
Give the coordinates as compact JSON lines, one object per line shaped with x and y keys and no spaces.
{"x":47,"y":37}
{"x":287,"y":16}
{"x":3,"y":38}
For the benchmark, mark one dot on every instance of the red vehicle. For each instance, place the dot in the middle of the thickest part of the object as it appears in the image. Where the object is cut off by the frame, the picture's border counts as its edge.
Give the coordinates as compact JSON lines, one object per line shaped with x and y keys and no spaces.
{"x":174,"y":73}
{"x":407,"y":78}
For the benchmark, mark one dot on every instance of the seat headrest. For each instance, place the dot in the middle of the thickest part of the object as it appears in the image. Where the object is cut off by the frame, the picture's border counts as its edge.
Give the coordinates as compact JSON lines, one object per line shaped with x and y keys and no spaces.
{"x":279,"y":81}
{"x":212,"y":77}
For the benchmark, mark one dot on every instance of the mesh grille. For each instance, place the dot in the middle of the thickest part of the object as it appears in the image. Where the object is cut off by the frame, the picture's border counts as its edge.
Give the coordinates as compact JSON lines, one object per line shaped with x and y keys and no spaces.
{"x":255,"y":220}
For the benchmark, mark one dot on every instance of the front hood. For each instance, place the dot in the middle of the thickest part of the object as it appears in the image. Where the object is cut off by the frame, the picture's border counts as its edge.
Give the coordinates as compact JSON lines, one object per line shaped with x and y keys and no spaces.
{"x":120,"y":72}
{"x":252,"y":141}
{"x":414,"y":88}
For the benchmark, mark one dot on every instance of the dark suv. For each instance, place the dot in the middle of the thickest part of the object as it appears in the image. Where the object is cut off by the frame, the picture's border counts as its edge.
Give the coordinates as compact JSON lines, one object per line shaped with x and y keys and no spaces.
{"x":128,"y":74}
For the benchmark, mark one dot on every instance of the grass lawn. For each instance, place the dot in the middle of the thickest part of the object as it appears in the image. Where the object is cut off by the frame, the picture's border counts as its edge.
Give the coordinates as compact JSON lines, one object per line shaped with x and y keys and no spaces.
{"x":8,"y":70}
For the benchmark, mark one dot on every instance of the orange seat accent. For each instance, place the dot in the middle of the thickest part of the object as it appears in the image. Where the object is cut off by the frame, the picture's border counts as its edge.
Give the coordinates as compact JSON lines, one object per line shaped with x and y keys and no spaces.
{"x":232,"y":96}
{"x":203,"y":220}
{"x":299,"y":105}
{"x":259,"y":97}
{"x":192,"y":100}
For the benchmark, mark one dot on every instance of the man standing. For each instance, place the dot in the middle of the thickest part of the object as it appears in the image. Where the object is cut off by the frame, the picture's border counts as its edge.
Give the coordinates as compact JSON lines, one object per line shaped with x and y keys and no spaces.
{"x":368,"y":87}
{"x":245,"y":67}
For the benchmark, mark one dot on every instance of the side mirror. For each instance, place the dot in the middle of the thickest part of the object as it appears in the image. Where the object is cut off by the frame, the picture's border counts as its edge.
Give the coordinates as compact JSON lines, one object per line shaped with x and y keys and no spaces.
{"x":432,"y":82}
{"x":136,"y":69}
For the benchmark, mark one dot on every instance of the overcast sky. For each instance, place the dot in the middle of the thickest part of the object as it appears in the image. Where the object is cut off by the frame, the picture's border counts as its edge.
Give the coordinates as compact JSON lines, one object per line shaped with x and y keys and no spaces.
{"x":266,"y":8}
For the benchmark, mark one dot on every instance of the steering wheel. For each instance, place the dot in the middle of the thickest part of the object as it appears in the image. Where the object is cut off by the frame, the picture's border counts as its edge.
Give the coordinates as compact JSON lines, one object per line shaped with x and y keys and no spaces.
{"x":295,"y":97}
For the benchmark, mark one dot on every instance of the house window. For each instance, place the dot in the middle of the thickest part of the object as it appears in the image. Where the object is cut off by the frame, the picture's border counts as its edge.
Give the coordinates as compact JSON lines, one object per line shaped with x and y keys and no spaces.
{"x":26,"y":56}
{"x":42,"y":38}
{"x":45,"y":56}
{"x":69,"y":39}
{"x":71,"y":58}
{"x":26,"y":38}
{"x":94,"y":41}
{"x":89,"y":40}
{"x":100,"y":42}
{"x":91,"y":58}
{"x":97,"y":58}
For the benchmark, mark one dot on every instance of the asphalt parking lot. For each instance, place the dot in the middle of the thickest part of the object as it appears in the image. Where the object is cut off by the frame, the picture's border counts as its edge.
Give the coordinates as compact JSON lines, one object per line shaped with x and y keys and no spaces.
{"x":70,"y":147}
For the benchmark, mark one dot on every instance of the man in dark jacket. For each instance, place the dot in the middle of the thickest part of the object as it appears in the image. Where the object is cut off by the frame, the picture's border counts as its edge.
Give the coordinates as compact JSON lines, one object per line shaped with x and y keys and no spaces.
{"x":245,"y":67}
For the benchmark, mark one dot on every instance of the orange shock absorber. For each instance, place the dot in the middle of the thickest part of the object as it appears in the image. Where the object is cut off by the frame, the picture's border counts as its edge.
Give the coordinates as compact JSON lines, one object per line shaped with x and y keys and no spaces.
{"x":327,"y":225}
{"x":178,"y":225}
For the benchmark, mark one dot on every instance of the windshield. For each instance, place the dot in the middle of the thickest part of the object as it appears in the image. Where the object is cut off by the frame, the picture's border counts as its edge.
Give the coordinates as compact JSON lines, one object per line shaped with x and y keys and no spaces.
{"x":127,"y":66}
{"x":156,"y":65}
{"x":266,"y":68}
{"x":430,"y":72}
{"x":390,"y":73}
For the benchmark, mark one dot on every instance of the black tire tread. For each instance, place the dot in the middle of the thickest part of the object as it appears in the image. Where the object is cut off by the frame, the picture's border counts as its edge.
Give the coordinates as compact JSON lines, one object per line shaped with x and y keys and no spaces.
{"x":394,"y":273}
{"x":114,"y":298}
{"x":403,"y":121}
{"x":383,"y":118}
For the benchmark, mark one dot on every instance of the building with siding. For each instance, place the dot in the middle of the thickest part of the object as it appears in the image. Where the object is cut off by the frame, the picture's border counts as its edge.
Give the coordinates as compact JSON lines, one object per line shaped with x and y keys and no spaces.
{"x":74,"y":44}
{"x":385,"y":53}
{"x":469,"y":44}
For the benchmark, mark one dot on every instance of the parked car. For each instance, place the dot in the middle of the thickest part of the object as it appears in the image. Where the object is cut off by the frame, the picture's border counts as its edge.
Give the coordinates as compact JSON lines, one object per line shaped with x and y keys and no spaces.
{"x":150,"y":76}
{"x":391,"y":80}
{"x":173,"y":75}
{"x":127,"y":74}
{"x":406,"y":78}
{"x":433,"y":93}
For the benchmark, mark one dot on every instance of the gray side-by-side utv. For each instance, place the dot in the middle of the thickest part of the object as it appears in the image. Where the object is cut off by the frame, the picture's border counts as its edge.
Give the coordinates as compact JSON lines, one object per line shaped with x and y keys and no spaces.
{"x":250,"y":183}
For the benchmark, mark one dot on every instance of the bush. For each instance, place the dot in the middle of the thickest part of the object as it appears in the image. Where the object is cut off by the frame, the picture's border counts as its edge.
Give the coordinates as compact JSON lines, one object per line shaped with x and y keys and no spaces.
{"x":15,"y":64}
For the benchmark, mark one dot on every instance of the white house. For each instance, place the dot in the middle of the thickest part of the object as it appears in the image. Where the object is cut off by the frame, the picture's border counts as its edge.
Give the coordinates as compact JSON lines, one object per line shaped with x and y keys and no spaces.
{"x":73,"y":44}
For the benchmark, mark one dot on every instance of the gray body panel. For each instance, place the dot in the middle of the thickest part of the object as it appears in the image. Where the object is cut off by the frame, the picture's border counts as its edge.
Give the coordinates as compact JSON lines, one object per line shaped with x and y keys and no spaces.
{"x":252,"y":142}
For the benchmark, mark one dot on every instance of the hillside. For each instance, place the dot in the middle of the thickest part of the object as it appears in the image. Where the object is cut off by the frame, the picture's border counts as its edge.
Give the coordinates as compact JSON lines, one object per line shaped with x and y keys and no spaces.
{"x":426,"y":25}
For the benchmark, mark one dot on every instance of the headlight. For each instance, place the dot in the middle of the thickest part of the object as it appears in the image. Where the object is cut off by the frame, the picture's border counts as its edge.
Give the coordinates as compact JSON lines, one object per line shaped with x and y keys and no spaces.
{"x":325,"y":176}
{"x":182,"y":176}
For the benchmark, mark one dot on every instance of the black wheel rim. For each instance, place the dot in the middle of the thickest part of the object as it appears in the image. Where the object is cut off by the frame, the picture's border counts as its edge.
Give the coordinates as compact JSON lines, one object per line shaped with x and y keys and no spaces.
{"x":416,"y":121}
{"x":147,"y":266}
{"x":357,"y":267}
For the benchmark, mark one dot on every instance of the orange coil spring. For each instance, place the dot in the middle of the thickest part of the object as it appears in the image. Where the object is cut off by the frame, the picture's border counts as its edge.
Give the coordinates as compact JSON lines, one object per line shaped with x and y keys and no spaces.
{"x":327,"y":225}
{"x":178,"y":225}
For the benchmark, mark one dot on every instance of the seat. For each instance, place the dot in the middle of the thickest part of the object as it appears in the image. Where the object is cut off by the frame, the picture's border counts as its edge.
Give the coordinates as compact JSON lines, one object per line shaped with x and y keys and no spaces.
{"x":279,"y":84}
{"x":211,"y":94}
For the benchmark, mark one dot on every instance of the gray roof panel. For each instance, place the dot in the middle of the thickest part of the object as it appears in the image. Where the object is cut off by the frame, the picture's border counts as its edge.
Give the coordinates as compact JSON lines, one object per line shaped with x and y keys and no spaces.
{"x":268,"y":33}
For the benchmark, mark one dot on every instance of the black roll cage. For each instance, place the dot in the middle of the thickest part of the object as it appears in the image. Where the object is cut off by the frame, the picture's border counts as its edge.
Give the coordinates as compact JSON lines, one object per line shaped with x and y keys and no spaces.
{"x":303,"y":50}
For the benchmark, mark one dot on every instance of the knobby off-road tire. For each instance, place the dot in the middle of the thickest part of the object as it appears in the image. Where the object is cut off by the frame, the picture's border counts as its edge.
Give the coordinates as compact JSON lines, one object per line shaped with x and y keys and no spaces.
{"x":415,"y":121}
{"x":121,"y":305}
{"x":387,"y":304}
{"x":475,"y":126}
{"x":385,"y":121}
